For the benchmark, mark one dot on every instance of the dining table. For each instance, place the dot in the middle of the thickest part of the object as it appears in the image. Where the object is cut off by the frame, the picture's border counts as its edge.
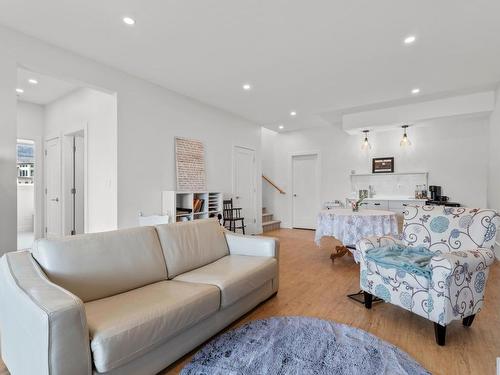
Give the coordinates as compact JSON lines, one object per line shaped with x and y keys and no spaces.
{"x":349,"y":226}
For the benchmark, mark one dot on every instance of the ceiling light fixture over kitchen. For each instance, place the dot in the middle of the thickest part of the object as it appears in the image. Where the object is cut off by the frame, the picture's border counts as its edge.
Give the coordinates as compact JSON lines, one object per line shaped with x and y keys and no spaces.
{"x":247,"y":87}
{"x":293,"y":113}
{"x":33,"y":81}
{"x":366,"y":145}
{"x":19,"y":91}
{"x":415,"y":91}
{"x":405,"y":141}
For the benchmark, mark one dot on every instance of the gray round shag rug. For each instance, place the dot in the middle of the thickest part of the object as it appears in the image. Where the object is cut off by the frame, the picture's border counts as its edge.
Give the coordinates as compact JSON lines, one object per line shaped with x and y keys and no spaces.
{"x":300,"y":345}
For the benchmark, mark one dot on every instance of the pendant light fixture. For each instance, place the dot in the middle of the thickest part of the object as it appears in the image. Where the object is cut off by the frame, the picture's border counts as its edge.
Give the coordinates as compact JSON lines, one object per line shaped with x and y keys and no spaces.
{"x":366,"y":145}
{"x":405,"y":141}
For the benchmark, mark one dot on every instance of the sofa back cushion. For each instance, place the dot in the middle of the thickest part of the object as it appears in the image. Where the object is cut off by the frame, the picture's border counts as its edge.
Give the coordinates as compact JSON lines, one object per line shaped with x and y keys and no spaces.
{"x":445,"y":229}
{"x":98,"y":265}
{"x":191,"y":244}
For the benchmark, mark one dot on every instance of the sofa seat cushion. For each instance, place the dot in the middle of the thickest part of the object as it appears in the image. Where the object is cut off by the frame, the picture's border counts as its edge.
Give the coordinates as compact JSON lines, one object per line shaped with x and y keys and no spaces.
{"x":234,"y":275}
{"x":127,"y":325}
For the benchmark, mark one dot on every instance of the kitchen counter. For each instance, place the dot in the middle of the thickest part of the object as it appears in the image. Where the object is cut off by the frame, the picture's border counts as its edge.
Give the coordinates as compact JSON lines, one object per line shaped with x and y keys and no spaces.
{"x":395,"y":198}
{"x":396,"y":204}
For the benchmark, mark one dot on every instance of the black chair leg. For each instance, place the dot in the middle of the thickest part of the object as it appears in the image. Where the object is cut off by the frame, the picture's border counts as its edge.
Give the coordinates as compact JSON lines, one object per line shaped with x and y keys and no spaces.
{"x":467,"y":322}
{"x":368,"y":300}
{"x":243,"y":226}
{"x":440,"y":333}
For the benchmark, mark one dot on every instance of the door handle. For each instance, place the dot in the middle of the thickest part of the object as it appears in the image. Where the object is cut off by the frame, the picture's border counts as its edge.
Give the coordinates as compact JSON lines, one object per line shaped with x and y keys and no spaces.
{"x":295,"y":195}
{"x":55,"y":199}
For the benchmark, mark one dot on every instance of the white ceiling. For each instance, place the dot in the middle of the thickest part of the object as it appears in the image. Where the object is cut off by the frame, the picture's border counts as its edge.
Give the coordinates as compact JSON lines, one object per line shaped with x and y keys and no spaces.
{"x":319,"y":57}
{"x":45,"y":91}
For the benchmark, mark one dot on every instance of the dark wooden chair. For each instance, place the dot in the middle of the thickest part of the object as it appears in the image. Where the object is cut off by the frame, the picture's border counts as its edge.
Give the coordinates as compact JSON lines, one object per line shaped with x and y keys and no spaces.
{"x":232,"y":218}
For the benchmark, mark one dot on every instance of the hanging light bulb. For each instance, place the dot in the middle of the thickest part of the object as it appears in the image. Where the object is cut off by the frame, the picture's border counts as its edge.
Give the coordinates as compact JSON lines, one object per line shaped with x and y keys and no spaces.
{"x":366,"y":145}
{"x":405,"y":141}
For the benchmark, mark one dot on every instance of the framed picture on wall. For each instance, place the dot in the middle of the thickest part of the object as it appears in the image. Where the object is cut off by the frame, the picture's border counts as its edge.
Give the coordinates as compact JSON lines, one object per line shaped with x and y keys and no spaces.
{"x":383,"y":165}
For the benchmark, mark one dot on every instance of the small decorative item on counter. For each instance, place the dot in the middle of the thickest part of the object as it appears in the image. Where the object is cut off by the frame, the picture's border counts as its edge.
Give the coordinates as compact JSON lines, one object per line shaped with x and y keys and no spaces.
{"x":421,"y":192}
{"x":356,"y":204}
{"x":333,"y":204}
{"x":363,"y":194}
{"x":371,"y":191}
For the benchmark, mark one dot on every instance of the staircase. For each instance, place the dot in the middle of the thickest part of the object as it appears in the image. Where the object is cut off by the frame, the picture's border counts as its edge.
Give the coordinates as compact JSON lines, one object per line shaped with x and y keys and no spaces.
{"x":268,"y":223}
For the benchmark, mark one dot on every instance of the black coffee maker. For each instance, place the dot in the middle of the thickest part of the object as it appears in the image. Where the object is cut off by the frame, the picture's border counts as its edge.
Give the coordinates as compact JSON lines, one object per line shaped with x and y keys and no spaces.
{"x":435,"y":192}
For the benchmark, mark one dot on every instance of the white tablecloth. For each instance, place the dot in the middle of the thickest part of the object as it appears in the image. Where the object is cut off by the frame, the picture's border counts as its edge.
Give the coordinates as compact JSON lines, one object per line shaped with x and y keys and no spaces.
{"x":349,"y":227}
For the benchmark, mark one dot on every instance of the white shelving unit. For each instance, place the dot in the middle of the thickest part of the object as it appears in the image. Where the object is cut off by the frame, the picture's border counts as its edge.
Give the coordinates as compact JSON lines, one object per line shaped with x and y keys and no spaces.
{"x":180,"y":205}
{"x":399,"y":184}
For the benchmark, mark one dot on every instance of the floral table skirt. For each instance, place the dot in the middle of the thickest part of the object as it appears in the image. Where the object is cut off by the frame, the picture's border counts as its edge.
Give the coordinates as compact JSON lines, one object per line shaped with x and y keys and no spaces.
{"x":349,"y":227}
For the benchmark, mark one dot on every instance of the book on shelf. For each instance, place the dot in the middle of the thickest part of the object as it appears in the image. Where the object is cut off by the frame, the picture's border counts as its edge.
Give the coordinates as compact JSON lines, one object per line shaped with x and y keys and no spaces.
{"x":183,"y":211}
{"x":198,"y":205}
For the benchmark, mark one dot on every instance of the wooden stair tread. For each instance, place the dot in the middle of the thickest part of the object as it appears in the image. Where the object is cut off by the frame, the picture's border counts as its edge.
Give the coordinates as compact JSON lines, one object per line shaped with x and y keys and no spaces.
{"x":271,"y":222}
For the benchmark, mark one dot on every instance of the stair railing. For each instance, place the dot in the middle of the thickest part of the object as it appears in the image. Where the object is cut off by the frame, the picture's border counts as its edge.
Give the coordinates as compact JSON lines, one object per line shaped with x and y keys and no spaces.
{"x":281,"y":191}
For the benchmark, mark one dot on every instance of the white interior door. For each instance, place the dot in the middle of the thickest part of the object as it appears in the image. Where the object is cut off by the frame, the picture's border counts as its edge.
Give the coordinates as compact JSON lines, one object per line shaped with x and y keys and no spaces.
{"x":53,"y":188}
{"x":244,"y":185}
{"x":79,"y":192}
{"x":305,"y":191}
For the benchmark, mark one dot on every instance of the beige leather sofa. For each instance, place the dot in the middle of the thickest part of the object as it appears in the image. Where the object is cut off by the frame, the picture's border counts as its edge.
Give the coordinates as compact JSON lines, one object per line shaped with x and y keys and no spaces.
{"x":130,"y":301}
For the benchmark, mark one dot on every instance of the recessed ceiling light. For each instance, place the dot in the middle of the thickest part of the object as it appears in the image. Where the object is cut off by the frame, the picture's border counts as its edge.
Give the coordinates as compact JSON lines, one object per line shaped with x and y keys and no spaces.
{"x":281,"y":127}
{"x":247,"y":87}
{"x":19,"y":91}
{"x":129,"y":21}
{"x":415,"y":91}
{"x":410,"y":39}
{"x":33,"y":81}
{"x":293,"y":113}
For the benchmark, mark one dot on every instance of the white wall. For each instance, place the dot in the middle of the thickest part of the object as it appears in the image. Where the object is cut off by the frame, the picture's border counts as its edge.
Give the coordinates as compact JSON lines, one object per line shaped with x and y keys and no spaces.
{"x":8,"y":137}
{"x":30,"y":125}
{"x":95,"y":112}
{"x":451,"y":150}
{"x":494,"y":161}
{"x":494,"y":165}
{"x":149,"y":117}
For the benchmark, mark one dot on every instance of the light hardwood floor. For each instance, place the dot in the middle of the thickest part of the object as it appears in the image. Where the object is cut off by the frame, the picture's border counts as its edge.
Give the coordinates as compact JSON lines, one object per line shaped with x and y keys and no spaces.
{"x":310,"y":285}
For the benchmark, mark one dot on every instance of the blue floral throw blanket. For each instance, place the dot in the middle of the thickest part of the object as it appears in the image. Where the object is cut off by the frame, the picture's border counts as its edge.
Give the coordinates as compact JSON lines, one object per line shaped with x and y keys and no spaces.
{"x":414,"y":260}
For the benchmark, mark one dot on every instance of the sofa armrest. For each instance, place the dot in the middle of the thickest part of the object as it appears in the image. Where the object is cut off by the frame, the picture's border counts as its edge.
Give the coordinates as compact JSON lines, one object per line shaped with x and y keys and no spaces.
{"x":374,"y":242}
{"x":252,"y":245}
{"x":458,"y":262}
{"x":44,"y":327}
{"x":458,"y":282}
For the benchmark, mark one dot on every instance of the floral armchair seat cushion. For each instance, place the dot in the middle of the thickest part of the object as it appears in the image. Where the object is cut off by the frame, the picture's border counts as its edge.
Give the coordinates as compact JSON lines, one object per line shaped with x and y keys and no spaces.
{"x":463,"y":241}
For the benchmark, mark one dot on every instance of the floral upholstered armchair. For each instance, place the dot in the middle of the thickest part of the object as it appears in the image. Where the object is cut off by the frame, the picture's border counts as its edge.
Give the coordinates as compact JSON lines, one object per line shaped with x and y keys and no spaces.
{"x":462,"y":240}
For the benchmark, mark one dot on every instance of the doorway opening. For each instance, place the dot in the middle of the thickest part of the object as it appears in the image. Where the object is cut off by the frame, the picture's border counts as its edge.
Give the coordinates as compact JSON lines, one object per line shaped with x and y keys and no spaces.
{"x":25,"y":193}
{"x":74,"y":127}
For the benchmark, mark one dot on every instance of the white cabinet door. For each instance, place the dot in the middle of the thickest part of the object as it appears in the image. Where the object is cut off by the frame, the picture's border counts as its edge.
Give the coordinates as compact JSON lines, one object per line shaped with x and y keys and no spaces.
{"x":305,"y":191}
{"x":376,"y":205}
{"x":52,"y":167}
